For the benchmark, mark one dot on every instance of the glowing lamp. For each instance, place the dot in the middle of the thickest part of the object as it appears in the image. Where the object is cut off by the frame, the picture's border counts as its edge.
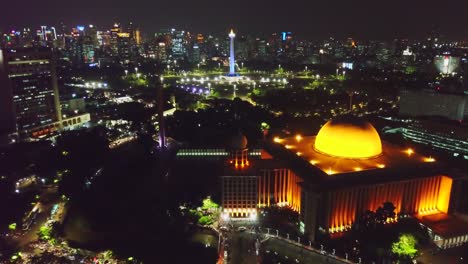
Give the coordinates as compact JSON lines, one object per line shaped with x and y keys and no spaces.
{"x":429,"y":159}
{"x":225,"y":216}
{"x":357,"y":169}
{"x":299,"y":153}
{"x":289,"y":146}
{"x":277,"y":140}
{"x":298,"y":138}
{"x":313,"y":162}
{"x":380,"y":166}
{"x":409,"y":152}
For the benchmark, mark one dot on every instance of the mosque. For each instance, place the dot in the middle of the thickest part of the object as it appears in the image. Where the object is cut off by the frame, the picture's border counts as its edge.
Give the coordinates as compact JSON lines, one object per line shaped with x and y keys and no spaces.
{"x":332,"y":178}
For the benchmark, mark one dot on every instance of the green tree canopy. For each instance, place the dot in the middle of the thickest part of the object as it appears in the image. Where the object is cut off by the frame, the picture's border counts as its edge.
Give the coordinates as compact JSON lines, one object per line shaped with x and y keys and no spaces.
{"x":208,"y":204}
{"x":205,"y":220}
{"x":405,"y":246}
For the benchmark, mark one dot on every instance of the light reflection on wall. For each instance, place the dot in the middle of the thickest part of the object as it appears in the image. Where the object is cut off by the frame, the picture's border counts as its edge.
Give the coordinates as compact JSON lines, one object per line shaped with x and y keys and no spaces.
{"x":280,"y":187}
{"x":419,"y":196}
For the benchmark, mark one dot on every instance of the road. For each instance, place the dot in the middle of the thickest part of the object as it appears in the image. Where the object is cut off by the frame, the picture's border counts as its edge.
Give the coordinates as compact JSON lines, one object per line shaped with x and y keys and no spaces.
{"x":45,"y":208}
{"x":242,"y":251}
{"x":287,"y":251}
{"x":242,"y":248}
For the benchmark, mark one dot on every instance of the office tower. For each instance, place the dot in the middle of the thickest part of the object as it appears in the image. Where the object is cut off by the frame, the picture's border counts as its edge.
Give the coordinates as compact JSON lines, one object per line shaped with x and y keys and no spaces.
{"x":124,"y":47}
{"x":29,"y":83}
{"x":7,"y":118}
{"x":178,"y":48}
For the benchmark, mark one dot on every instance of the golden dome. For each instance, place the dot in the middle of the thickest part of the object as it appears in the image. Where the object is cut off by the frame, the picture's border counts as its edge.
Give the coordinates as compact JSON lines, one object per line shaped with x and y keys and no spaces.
{"x":348,"y":137}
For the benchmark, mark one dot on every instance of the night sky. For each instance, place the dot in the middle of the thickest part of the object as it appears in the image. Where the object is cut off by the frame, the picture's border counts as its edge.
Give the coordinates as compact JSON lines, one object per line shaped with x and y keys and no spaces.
{"x":311,"y":19}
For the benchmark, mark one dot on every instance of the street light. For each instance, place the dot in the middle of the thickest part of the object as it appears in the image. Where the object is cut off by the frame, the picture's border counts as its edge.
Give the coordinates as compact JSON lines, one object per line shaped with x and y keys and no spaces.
{"x":126,"y":73}
{"x":198,"y":65}
{"x":136,"y":69}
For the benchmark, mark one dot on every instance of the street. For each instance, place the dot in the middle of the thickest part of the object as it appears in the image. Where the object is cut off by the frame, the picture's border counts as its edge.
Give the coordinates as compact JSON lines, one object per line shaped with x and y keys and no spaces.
{"x":241,"y":250}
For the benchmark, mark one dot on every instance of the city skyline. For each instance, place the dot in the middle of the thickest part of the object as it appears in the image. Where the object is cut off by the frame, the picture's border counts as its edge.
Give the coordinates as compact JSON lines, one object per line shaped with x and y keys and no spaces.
{"x":363,"y":19}
{"x":254,"y":132}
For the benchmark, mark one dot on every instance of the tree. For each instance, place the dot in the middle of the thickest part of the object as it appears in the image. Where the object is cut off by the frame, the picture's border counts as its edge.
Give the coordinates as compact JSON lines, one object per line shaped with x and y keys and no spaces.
{"x":367,"y":219}
{"x":405,"y":247}
{"x":385,"y":212}
{"x":209,"y":205}
{"x":205,"y":220}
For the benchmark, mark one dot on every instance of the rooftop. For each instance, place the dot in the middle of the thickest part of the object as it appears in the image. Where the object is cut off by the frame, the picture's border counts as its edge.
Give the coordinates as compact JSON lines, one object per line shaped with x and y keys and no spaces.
{"x":391,"y":157}
{"x":446,"y":226}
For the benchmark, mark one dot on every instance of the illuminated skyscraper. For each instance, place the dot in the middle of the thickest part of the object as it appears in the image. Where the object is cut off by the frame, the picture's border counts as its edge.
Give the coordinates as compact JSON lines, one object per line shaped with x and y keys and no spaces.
{"x":29,"y":81}
{"x":178,"y":49}
{"x":7,"y":118}
{"x":124,"y":47}
{"x":232,"y":69}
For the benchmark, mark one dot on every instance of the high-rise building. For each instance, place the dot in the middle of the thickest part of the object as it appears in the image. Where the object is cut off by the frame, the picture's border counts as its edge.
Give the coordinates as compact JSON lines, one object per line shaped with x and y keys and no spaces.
{"x":261,"y":48}
{"x":47,"y":35}
{"x":7,"y":118}
{"x":160,"y":52}
{"x":200,"y":39}
{"x":29,"y":83}
{"x":195,"y":54}
{"x":137,"y":36}
{"x":123,"y":47}
{"x":115,"y":30}
{"x":178,"y":49}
